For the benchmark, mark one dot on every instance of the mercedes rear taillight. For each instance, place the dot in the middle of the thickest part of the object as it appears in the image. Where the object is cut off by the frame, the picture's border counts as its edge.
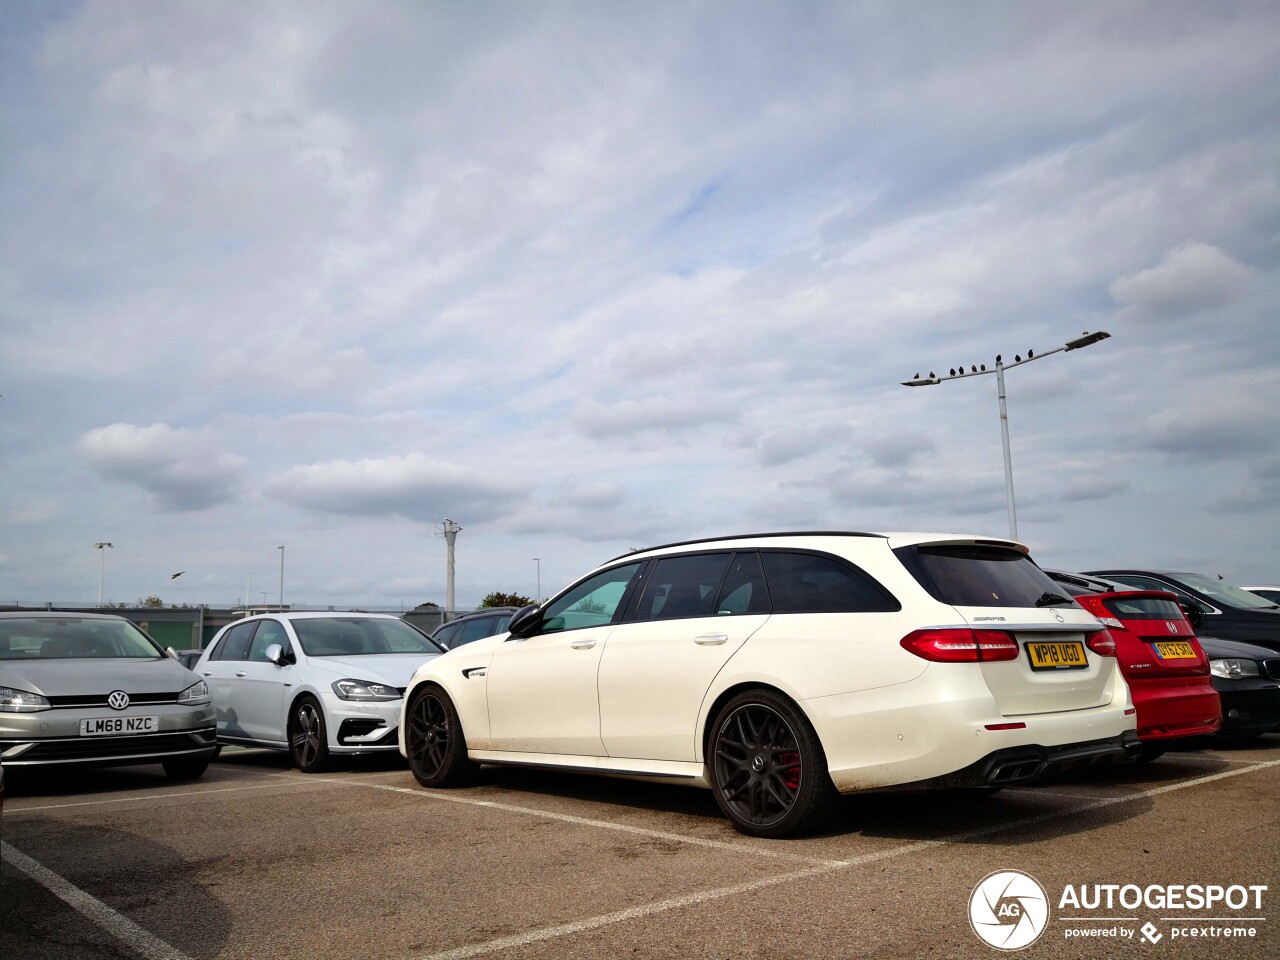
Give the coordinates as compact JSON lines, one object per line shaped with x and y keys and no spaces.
{"x":960,"y":645}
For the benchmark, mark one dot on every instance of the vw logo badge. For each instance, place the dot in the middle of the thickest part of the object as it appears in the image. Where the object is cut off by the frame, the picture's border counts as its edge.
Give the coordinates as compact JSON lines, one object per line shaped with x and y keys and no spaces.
{"x":118,"y":700}
{"x":1173,"y":627}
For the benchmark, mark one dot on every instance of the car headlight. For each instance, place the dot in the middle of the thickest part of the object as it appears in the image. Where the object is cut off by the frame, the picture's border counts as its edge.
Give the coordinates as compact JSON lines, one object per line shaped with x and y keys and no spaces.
{"x":195,"y":694}
{"x":364,"y":690}
{"x":21,"y":701}
{"x":1234,"y":669}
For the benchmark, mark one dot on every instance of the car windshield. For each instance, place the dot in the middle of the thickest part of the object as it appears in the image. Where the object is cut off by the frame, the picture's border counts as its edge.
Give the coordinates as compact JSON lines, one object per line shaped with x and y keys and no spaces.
{"x":68,"y":638}
{"x":359,"y":636}
{"x":1225,"y":593}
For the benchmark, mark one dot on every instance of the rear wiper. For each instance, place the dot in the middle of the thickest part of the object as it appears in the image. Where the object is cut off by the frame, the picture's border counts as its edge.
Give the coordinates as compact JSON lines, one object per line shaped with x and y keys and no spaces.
{"x":1050,"y":599}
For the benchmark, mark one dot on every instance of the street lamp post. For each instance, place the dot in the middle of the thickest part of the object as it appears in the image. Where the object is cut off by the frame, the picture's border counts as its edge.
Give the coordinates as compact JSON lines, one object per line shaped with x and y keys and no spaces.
{"x":537,"y":597}
{"x":281,"y":549}
{"x":102,"y":567}
{"x":981,"y":370}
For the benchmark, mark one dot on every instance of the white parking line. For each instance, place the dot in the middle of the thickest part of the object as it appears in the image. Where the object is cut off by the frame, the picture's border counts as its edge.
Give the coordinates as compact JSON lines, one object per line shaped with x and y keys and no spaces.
{"x":149,"y":798}
{"x":676,"y":903}
{"x":122,"y":928}
{"x":598,"y":824}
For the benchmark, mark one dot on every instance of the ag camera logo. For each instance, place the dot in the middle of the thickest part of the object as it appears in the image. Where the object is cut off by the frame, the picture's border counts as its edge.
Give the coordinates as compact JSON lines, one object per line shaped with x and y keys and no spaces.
{"x":1009,"y":910}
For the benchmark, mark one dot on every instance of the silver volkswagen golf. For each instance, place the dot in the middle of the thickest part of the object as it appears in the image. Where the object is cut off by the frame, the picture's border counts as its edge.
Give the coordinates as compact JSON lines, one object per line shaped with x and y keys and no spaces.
{"x":93,"y":689}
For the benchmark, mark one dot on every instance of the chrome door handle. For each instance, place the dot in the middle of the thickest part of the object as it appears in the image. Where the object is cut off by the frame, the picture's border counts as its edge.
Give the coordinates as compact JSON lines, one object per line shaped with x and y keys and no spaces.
{"x":582,"y":644}
{"x":206,"y":673}
{"x":711,"y":639}
{"x":240,"y":673}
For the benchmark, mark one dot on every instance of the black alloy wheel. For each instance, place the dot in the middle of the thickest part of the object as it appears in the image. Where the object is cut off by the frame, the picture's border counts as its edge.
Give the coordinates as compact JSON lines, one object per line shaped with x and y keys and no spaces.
{"x":768,"y":769}
{"x":308,"y":742}
{"x":434,"y":741}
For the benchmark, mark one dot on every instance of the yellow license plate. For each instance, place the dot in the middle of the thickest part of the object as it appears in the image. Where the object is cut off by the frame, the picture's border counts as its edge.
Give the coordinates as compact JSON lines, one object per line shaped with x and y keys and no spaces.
{"x":1174,"y":650}
{"x":1057,"y":655}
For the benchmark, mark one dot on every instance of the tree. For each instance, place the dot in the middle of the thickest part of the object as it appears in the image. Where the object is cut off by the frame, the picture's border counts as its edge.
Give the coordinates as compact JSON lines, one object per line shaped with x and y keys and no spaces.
{"x":429,"y":605}
{"x":152,"y":602}
{"x":497,"y":599}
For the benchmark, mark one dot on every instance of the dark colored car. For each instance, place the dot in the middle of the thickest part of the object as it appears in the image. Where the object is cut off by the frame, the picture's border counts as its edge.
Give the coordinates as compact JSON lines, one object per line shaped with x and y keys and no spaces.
{"x":474,"y":626}
{"x":1247,"y":678}
{"x":1216,"y":609}
{"x":1166,"y":668}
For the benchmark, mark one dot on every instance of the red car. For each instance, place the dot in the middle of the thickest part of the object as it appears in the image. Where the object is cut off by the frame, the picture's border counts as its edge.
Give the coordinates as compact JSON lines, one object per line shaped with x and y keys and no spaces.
{"x":1160,"y":657}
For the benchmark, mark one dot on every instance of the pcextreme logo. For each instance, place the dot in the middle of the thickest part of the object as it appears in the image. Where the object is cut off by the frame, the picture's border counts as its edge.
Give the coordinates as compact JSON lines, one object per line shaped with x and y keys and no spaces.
{"x":1010,"y":910}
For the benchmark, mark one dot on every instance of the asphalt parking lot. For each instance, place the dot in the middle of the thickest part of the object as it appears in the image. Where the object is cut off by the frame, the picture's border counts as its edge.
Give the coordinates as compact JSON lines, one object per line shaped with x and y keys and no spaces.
{"x":257,"y":861}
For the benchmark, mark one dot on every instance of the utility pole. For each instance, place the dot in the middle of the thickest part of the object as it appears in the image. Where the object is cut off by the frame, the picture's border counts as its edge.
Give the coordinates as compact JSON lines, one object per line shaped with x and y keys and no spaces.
{"x":451,"y":531}
{"x":102,"y":567}
{"x":281,"y":549}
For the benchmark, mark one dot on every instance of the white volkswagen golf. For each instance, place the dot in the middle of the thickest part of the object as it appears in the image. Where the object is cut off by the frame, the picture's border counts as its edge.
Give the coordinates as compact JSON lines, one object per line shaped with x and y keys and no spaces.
{"x":314,"y":684}
{"x":781,"y":670}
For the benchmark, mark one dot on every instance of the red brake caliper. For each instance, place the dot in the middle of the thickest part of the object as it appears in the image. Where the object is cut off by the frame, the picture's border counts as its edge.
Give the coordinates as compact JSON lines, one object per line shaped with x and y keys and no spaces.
{"x":792,"y":776}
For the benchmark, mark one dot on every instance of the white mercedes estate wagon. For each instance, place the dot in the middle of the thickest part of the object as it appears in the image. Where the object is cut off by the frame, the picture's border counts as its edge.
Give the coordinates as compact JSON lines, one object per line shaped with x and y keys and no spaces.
{"x":781,"y":670}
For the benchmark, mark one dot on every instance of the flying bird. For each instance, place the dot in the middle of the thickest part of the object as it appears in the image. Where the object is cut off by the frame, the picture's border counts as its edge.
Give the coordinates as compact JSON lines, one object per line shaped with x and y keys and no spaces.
{"x":175,"y":576}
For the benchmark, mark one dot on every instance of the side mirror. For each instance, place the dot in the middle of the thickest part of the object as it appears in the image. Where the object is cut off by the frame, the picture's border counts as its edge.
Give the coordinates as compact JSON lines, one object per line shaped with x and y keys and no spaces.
{"x":172,"y":653}
{"x":526,"y":621}
{"x":275,"y":653}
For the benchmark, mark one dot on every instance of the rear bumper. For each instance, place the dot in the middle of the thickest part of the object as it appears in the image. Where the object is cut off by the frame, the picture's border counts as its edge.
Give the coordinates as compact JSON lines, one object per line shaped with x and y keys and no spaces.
{"x":1171,"y":710}
{"x":1026,"y":764}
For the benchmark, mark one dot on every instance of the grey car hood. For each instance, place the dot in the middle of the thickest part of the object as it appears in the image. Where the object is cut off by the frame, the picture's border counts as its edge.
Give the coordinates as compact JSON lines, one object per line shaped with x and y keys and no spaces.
{"x":60,"y":678}
{"x":393,"y":669}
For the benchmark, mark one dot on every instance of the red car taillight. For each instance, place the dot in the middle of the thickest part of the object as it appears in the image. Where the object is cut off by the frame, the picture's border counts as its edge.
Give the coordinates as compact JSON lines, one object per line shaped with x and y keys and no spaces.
{"x":1102,"y":643}
{"x":960,"y":645}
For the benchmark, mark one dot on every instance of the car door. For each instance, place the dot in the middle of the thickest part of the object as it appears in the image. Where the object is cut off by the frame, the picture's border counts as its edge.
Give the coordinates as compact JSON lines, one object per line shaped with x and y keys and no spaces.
{"x":262,"y":685}
{"x":542,"y":688}
{"x":693,"y":613}
{"x":219,"y":670}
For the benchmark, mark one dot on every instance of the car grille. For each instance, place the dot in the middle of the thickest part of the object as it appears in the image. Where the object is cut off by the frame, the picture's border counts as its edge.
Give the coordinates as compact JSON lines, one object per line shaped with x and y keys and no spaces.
{"x":100,"y":699}
{"x":106,"y":748}
{"x":1271,"y":668}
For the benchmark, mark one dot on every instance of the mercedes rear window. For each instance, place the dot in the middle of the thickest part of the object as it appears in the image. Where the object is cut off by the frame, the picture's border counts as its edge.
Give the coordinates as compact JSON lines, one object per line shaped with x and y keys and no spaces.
{"x":972,"y":575}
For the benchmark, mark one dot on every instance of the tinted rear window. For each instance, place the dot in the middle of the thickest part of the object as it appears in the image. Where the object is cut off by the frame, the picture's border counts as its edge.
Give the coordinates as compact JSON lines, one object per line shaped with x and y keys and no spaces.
{"x":811,"y":583}
{"x":1144,"y":608}
{"x":978,"y":576}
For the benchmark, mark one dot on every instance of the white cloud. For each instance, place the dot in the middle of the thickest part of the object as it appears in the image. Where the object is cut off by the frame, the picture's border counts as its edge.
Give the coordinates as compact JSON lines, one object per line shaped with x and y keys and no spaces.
{"x":182,"y":469}
{"x":588,"y":276}
{"x":1191,"y":278}
{"x":414,"y":486}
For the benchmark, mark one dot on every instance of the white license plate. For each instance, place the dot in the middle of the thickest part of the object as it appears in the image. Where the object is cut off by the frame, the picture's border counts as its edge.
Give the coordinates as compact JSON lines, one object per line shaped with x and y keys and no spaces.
{"x":118,"y":726}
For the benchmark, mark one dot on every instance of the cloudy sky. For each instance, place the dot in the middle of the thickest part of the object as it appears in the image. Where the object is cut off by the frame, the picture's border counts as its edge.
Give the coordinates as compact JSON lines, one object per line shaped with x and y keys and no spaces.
{"x":591,"y":276}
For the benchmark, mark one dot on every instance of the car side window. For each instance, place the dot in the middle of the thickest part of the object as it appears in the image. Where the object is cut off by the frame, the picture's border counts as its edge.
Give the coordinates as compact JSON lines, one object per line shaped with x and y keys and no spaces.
{"x":269,"y":632}
{"x":478,"y":629}
{"x":744,"y":589}
{"x":814,"y":583}
{"x":683,"y":586}
{"x":591,"y":603}
{"x":448,"y":634}
{"x":235,"y":645}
